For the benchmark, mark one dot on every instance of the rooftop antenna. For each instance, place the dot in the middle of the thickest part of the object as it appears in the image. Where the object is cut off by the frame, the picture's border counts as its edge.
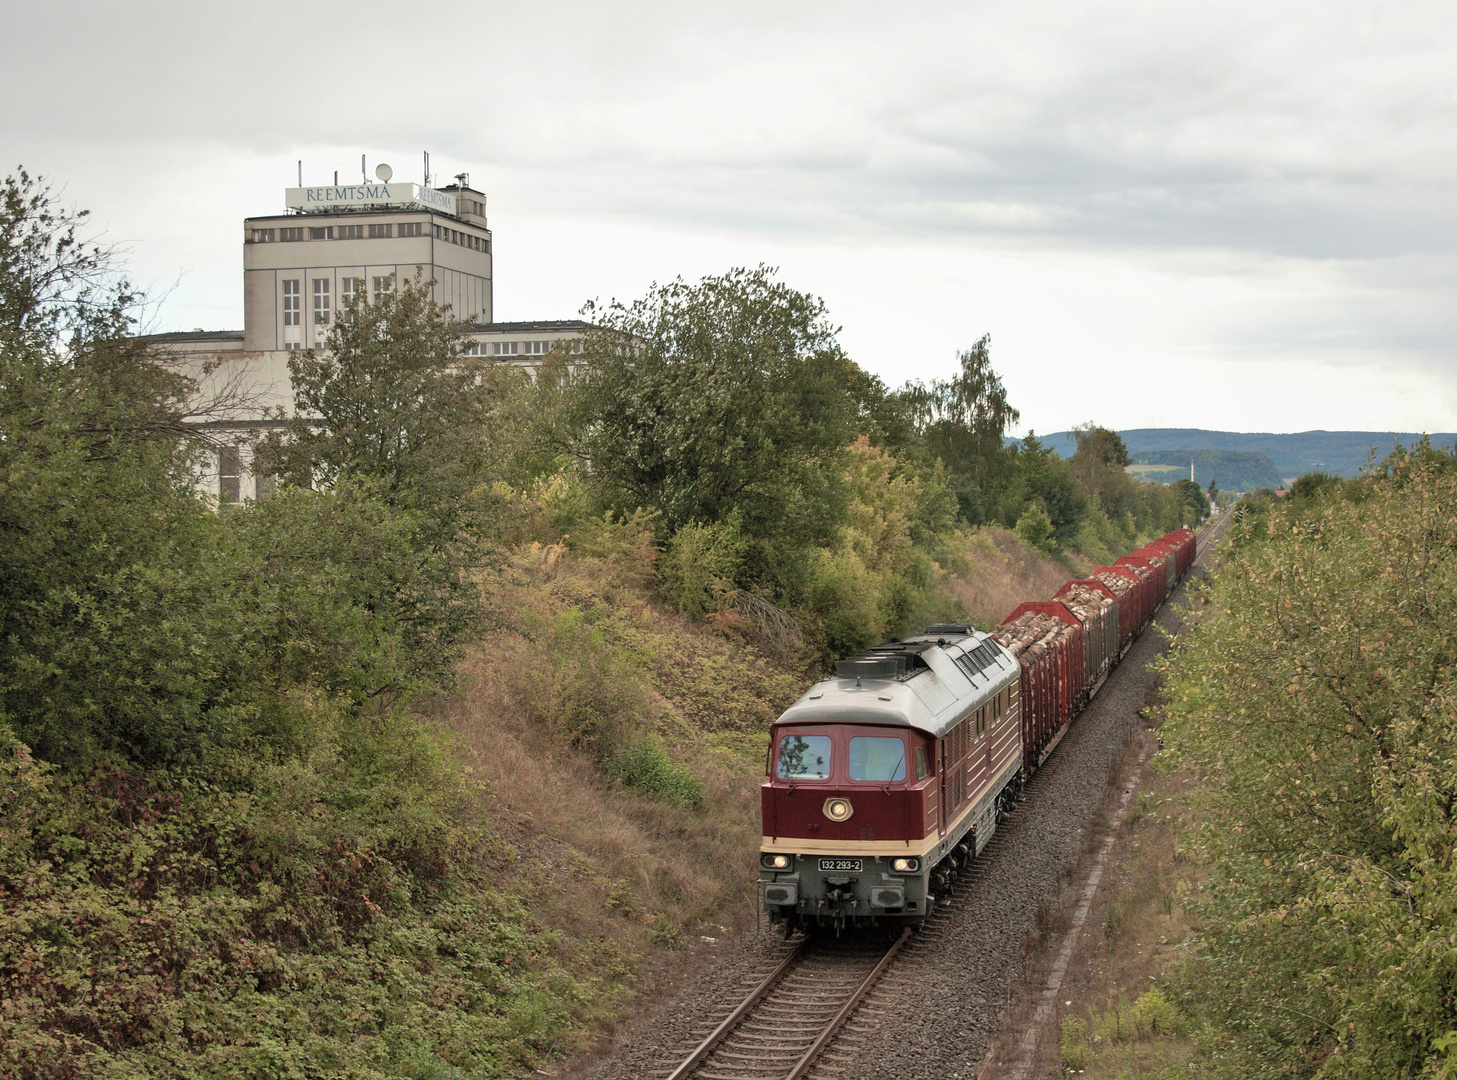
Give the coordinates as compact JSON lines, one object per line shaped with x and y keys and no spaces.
{"x":363,"y":171}
{"x":427,"y":168}
{"x":336,"y":177}
{"x":301,"y":172}
{"x":384,"y":172}
{"x":463,"y":179}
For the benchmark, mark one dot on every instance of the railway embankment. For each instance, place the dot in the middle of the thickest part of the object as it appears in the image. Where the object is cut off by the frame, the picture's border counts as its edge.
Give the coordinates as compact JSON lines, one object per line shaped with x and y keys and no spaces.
{"x":624,"y":749}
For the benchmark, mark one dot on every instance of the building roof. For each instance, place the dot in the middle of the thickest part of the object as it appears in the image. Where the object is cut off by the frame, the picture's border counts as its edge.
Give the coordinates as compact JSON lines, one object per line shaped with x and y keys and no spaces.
{"x":193,"y":335}
{"x":542,"y":327}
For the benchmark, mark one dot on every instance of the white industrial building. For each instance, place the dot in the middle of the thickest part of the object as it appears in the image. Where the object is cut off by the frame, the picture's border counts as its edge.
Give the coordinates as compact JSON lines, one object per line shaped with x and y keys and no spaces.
{"x":332,"y":243}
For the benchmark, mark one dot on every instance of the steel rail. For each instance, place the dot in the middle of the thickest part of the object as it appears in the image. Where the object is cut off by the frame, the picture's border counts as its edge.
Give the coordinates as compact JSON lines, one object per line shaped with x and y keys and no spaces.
{"x":708,"y":1045}
{"x":849,"y":1007}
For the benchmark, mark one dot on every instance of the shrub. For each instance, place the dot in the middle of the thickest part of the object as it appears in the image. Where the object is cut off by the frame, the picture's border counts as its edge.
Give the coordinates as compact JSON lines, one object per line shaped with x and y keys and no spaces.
{"x":646,"y":768}
{"x":1034,"y":528}
{"x":697,"y":574}
{"x":844,"y":596}
{"x":625,"y":545}
{"x":1073,"y":1043}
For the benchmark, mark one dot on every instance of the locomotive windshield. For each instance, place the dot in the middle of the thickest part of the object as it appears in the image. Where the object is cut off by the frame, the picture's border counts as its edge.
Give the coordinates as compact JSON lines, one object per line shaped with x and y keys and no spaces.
{"x":804,"y":757}
{"x":877,"y":759}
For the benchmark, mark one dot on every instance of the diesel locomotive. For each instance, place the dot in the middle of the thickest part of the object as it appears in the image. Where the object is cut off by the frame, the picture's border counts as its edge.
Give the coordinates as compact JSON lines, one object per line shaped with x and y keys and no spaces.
{"x":883,"y":781}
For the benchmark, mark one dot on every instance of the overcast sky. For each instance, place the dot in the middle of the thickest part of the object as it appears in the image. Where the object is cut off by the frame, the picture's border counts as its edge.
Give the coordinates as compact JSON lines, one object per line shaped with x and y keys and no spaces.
{"x":1234,"y":215}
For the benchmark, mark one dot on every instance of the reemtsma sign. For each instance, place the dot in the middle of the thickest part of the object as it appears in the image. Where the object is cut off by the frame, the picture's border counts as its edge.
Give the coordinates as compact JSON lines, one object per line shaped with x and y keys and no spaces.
{"x":362,"y":195}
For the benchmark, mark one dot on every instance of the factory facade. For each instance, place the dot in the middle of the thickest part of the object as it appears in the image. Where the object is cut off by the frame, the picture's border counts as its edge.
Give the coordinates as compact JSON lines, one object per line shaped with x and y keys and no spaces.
{"x":332,"y":244}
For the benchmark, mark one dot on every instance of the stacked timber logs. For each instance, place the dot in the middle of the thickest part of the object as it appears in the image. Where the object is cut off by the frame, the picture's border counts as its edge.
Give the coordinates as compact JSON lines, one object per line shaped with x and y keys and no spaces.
{"x":1117,"y":582}
{"x":1030,"y":634}
{"x":1085,"y":602}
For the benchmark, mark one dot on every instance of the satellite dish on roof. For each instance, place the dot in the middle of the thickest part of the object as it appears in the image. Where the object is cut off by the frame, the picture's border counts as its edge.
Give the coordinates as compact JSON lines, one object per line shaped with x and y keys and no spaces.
{"x":384,"y":172}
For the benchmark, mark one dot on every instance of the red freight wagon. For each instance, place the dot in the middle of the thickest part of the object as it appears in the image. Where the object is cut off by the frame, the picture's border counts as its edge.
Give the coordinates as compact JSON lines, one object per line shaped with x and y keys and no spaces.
{"x":1074,"y":675}
{"x":1155,"y":568}
{"x":1121,"y":583}
{"x":1148,"y":589}
{"x":1163,"y":553}
{"x":1042,"y":644}
{"x":1188,"y":548}
{"x":1096,"y":606}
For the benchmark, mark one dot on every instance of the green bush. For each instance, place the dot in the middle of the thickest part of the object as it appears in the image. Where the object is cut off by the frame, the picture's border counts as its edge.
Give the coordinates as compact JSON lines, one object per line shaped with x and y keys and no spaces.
{"x":844,"y":596}
{"x":1034,"y":528}
{"x":333,"y":917}
{"x":1073,"y":1043}
{"x":646,"y":768}
{"x":698,"y":572}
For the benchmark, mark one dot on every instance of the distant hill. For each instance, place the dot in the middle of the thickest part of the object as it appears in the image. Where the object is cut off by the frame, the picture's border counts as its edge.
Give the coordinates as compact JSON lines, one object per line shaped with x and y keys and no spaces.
{"x":1234,"y":470}
{"x":1339,"y":452}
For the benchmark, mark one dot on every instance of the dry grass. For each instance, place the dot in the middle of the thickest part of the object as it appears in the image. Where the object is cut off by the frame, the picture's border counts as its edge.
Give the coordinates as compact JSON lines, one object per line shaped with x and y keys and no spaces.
{"x":1120,"y":1024}
{"x":995,"y":571}
{"x":607,"y":860}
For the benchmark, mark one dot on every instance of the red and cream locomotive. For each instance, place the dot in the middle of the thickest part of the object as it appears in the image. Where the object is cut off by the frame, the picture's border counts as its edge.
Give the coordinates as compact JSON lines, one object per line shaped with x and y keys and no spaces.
{"x":887,"y":778}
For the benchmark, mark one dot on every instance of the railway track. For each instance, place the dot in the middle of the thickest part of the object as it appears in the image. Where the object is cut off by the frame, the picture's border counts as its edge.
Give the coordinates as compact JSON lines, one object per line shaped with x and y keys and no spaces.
{"x":783,"y":1025}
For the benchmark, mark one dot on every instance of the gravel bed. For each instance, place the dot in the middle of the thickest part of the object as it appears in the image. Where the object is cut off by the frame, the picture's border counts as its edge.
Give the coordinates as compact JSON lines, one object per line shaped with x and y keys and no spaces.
{"x":948,"y":1000}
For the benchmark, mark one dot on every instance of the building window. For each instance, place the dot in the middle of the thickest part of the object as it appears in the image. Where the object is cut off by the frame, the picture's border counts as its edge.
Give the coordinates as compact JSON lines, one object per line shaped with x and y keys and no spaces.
{"x":380,"y":232}
{"x":262,"y":236}
{"x":411,"y":228}
{"x":230,"y":475}
{"x":383,"y":286}
{"x":291,"y":301}
{"x":349,"y":289}
{"x":294,"y":233}
{"x":503,"y":348}
{"x":265,"y":481}
{"x":321,"y":306}
{"x":536,"y":348}
{"x":326,"y":233}
{"x":351,"y":232}
{"x":475,"y":348}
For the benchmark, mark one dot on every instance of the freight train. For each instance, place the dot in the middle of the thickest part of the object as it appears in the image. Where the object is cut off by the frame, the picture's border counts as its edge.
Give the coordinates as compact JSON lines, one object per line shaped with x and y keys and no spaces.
{"x":885,"y":780}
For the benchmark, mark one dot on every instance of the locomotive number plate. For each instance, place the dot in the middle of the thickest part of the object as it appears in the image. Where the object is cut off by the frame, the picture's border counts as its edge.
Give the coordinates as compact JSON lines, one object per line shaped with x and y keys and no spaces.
{"x":840,"y":864}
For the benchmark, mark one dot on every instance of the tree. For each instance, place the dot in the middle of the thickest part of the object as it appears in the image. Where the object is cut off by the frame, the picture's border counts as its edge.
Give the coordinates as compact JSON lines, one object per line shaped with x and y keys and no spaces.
{"x":395,"y":399}
{"x":1313,"y":702}
{"x":1040,"y":476}
{"x":729,"y":395}
{"x":1193,"y":500}
{"x":963,"y":421}
{"x":1034,"y":528}
{"x":99,"y":522}
{"x":1099,"y":464}
{"x":51,"y":280}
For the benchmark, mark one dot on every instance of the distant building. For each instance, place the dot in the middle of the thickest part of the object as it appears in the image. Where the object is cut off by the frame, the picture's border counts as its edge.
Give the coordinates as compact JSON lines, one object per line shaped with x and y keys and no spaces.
{"x":331,"y":244}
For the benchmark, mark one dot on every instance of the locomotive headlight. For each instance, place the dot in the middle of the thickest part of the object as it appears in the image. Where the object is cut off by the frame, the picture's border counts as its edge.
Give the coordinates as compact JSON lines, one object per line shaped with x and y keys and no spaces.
{"x":905,"y":866}
{"x":838,"y":809}
{"x":775,"y":862}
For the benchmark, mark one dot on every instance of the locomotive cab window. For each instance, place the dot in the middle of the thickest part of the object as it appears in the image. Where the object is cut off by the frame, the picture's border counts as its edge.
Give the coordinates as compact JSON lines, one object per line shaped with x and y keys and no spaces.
{"x":878,"y":759}
{"x":804,"y":757}
{"x":922,"y":765}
